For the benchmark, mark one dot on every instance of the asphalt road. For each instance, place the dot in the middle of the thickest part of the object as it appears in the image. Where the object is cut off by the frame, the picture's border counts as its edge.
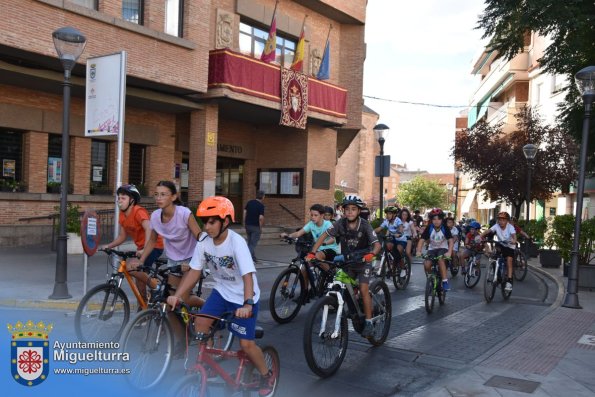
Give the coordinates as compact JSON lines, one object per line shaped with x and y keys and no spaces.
{"x":420,"y":348}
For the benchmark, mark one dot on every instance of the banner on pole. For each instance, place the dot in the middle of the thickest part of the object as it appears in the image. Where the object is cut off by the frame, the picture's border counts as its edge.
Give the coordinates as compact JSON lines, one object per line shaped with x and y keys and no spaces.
{"x":294,"y":98}
{"x":105,"y":95}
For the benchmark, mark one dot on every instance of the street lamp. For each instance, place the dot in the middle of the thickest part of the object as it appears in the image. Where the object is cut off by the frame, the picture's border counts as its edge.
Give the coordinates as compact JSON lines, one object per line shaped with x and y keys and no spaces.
{"x":70,"y":44}
{"x":449,"y":187}
{"x":585,"y":82}
{"x":457,"y":176}
{"x":381,"y":131}
{"x":530,"y":151}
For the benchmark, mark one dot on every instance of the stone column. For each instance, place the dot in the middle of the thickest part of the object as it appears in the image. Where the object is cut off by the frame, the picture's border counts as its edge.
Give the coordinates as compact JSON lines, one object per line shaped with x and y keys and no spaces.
{"x":80,"y":164}
{"x":35,"y":161}
{"x":204,"y":126}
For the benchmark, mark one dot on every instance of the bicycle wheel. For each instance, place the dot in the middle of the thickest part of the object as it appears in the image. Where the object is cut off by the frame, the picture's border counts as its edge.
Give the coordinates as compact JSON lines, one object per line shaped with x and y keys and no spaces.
{"x":251,"y":377}
{"x":489,"y":286}
{"x":429,"y":294}
{"x":441,"y":294}
{"x":102,"y":314}
{"x":190,"y":385}
{"x":454,"y":266}
{"x":325,"y":350}
{"x":149,"y":341}
{"x":381,"y":312}
{"x":520,"y":266}
{"x":287,"y":295}
{"x":402,"y":276}
{"x":473,"y":273}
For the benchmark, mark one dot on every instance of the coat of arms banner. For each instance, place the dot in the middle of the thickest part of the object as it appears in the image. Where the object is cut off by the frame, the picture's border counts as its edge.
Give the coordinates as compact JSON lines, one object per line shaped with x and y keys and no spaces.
{"x":294,"y":98}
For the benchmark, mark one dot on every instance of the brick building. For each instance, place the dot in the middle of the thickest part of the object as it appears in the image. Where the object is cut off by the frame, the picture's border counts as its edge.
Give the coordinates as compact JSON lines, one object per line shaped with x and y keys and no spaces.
{"x":201,"y":108}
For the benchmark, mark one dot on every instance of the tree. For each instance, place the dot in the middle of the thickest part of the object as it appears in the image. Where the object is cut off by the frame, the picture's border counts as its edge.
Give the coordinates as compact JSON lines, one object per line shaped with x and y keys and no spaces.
{"x":339,"y":196}
{"x":569,"y":24}
{"x":497,"y":164}
{"x":422,"y":193}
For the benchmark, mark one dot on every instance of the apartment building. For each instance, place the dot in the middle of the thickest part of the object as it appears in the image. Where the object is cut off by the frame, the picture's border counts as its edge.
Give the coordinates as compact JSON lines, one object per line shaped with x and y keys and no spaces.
{"x":202,"y":109}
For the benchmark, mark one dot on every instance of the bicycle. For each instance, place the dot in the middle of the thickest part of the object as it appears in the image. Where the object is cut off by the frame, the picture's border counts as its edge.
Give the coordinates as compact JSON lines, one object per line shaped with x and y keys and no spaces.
{"x":496,"y":275}
{"x":387,"y":266}
{"x":105,"y":309}
{"x":288,"y":293}
{"x":325,"y":331}
{"x":434,"y":283}
{"x":149,"y":339}
{"x":519,"y":265}
{"x":246,"y":377}
{"x":473,"y":270}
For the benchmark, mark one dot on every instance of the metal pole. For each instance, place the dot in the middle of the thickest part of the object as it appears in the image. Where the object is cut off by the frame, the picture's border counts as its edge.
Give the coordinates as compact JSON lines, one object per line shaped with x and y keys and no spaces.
{"x":456,"y":197}
{"x":571,"y":298}
{"x":120,"y":155}
{"x":528,"y":200}
{"x":60,"y":286}
{"x":381,"y":201}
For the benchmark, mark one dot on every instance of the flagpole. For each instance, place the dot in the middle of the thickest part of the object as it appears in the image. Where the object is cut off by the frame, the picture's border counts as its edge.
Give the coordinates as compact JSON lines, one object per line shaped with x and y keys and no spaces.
{"x":274,"y":12}
{"x":328,"y":35}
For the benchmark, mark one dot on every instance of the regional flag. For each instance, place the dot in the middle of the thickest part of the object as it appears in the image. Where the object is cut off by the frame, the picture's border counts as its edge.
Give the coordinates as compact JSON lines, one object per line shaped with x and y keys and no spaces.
{"x":298,"y":58}
{"x":268,"y":54}
{"x":324,"y":70}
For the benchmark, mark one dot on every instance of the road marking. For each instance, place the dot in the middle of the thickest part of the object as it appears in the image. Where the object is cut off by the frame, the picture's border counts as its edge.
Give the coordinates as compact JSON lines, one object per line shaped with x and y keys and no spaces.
{"x":587,"y":340}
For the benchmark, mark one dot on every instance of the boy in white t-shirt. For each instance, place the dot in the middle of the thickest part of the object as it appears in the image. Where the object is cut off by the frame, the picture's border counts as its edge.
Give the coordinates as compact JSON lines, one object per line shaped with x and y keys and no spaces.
{"x":227,"y":256}
{"x":507,"y":236}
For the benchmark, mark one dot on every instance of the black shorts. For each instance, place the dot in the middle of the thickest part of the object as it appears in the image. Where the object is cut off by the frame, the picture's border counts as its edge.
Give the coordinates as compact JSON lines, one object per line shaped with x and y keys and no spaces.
{"x":507,"y":252}
{"x":329,"y":254}
{"x":361,"y":273}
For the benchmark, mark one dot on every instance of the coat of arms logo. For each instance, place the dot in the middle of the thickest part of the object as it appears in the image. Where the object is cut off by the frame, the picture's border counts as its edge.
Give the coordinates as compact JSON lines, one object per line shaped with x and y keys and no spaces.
{"x":29,"y":352}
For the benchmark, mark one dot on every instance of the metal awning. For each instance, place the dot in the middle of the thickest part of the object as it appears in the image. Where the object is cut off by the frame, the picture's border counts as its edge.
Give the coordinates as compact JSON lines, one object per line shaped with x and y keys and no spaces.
{"x":468,"y":200}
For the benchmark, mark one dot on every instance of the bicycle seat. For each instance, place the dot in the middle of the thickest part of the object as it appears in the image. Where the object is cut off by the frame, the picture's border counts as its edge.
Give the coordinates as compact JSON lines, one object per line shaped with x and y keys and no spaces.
{"x":259,"y":332}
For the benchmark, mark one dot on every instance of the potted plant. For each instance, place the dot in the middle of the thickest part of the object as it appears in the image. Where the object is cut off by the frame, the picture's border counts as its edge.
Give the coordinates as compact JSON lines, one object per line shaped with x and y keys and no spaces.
{"x":586,"y":269}
{"x":558,"y":241}
{"x":535,"y":229}
{"x":73,"y":228}
{"x":53,"y":187}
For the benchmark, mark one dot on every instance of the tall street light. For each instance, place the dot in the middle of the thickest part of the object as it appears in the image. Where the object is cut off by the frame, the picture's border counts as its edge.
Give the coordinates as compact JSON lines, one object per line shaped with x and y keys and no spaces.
{"x":70,"y":44}
{"x":381,"y":131}
{"x":585,"y":82}
{"x":530,"y":151}
{"x":449,"y":187}
{"x":457,"y":176}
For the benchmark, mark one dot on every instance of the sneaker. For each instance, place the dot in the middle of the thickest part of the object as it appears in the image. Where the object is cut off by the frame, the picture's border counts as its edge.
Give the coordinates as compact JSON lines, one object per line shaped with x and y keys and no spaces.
{"x":403,"y":273}
{"x":445,"y":285}
{"x":368,"y":329}
{"x":508,"y":286}
{"x":267,"y":384}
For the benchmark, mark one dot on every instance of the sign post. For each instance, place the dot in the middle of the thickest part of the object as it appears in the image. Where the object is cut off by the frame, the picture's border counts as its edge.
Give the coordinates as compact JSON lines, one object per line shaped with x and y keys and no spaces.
{"x":90,"y":237}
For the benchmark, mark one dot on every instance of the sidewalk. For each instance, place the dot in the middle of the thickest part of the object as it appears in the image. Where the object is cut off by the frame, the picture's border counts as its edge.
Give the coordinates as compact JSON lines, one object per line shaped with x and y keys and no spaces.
{"x":29,"y":274}
{"x":554,"y":356}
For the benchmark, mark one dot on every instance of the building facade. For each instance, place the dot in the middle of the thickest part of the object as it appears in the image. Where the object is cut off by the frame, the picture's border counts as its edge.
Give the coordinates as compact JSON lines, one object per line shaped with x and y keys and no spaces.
{"x":202,"y":110}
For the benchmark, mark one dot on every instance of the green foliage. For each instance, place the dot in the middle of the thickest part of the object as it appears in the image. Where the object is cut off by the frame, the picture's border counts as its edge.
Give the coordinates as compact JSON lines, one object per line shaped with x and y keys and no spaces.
{"x":569,"y":25}
{"x":376,"y":222}
{"x":535,"y":229}
{"x":561,"y":236}
{"x":73,"y":218}
{"x":496,"y":162}
{"x":339,"y":196}
{"x":422,"y":193}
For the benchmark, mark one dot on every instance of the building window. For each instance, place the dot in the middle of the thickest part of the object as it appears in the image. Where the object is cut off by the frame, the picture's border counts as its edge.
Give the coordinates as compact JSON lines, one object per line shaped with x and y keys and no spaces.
{"x":286,"y":182}
{"x":54,"y":163}
{"x":99,"y":168}
{"x":252,"y":41}
{"x":92,"y":4}
{"x":137,"y":165}
{"x":11,"y":155}
{"x":174,"y":17}
{"x":132,"y":11}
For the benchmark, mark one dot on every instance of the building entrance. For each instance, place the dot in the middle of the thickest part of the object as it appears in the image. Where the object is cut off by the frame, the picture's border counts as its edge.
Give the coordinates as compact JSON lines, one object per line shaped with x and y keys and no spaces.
{"x":229,"y":182}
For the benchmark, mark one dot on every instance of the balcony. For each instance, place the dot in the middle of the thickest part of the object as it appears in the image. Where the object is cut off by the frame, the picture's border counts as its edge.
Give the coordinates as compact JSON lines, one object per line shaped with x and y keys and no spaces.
{"x":245,"y":79}
{"x":504,"y":113}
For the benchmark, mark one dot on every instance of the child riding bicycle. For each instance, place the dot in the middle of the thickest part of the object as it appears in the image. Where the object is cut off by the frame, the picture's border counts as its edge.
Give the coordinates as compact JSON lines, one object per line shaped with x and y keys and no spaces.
{"x":507,"y":236}
{"x":227,"y":256}
{"x":473,"y":245}
{"x":440,"y":244}
{"x":355,"y":234}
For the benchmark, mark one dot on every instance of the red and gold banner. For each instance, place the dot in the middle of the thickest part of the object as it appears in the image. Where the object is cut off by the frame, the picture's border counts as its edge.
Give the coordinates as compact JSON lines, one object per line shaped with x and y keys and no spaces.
{"x":294,"y":99}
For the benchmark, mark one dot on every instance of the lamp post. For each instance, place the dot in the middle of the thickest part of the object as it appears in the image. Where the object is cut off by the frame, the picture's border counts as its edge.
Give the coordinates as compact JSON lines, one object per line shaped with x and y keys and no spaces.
{"x":69,"y":44}
{"x":381,"y":131}
{"x":457,"y":176}
{"x":530,"y":151}
{"x":585,"y":81}
{"x":449,"y":187}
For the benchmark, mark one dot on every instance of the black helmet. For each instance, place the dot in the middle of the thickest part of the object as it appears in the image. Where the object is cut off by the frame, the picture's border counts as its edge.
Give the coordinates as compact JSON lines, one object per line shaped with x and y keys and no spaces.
{"x":131,"y":191}
{"x":352,"y":200}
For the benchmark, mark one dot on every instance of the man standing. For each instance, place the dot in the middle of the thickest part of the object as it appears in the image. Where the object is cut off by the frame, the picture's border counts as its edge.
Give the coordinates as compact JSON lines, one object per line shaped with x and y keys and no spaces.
{"x":254,"y":220}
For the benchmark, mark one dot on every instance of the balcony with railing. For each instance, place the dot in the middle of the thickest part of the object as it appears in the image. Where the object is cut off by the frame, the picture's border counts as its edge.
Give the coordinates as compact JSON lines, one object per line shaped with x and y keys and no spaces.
{"x":505,"y":113}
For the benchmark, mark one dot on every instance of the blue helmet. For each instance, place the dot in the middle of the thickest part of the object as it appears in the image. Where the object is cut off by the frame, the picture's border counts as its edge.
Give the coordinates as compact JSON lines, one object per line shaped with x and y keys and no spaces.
{"x":475,"y":225}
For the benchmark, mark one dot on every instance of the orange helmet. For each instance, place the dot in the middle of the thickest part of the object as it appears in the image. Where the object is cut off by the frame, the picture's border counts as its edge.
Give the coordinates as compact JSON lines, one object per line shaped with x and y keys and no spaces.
{"x":504,"y":215}
{"x":216,"y":206}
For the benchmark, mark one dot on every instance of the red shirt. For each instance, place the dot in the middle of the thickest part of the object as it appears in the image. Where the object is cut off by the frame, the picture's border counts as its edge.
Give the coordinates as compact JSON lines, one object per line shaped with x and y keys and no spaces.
{"x":474,"y":242}
{"x":133,"y":226}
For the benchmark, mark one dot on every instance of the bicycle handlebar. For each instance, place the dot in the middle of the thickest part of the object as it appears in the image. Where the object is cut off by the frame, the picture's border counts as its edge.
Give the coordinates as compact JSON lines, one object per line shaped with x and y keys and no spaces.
{"x":123,"y":254}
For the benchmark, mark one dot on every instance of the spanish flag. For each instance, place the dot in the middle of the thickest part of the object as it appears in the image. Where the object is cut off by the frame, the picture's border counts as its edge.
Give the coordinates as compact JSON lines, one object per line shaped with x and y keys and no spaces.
{"x":268,"y":54}
{"x":298,"y":58}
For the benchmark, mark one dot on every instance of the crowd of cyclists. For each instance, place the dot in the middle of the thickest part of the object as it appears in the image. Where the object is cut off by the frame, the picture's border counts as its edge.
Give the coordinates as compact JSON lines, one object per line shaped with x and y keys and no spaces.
{"x":215,"y":248}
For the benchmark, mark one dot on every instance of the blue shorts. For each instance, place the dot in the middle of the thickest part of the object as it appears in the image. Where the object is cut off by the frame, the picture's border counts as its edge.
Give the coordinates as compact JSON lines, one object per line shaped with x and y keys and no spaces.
{"x":243,"y":328}
{"x":155,"y":254}
{"x":401,"y":243}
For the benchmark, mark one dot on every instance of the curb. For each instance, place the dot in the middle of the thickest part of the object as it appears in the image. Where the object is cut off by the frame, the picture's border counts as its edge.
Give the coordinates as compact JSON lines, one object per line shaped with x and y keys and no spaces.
{"x":559,"y":282}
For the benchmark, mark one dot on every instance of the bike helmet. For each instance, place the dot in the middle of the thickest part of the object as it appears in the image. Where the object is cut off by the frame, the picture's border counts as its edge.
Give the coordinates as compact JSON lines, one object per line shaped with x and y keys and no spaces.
{"x":216,"y":206}
{"x":436,"y":212}
{"x":475,"y":225}
{"x":352,"y":200}
{"x":392,"y":209}
{"x":504,"y":215}
{"x":131,"y":191}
